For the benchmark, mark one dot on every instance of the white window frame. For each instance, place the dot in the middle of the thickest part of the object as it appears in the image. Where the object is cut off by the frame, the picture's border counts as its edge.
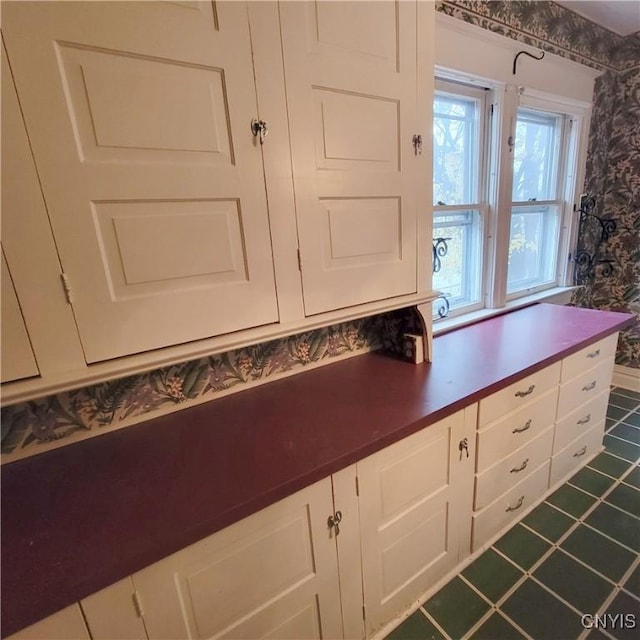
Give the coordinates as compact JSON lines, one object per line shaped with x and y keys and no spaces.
{"x":496,"y":181}
{"x":451,"y":87}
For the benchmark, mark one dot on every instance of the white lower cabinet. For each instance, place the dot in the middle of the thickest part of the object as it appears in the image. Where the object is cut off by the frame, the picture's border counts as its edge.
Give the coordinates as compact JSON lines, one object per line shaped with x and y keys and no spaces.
{"x":404,"y":522}
{"x":554,"y":425}
{"x":66,"y":624}
{"x":406,"y":516}
{"x":582,"y":407}
{"x":271,"y":575}
{"x":415,"y":514}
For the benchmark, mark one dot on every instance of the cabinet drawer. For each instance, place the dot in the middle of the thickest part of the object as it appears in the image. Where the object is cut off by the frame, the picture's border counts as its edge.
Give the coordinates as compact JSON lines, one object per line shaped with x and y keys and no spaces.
{"x":518,"y":394}
{"x":510,"y":505}
{"x":584,"y":387}
{"x":588,"y":357}
{"x":514,"y":468}
{"x":580,"y":421}
{"x":512,"y":432}
{"x":576,"y":454}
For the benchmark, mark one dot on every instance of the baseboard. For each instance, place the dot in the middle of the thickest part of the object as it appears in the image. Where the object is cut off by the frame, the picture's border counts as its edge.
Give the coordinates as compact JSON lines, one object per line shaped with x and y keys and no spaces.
{"x":626,"y":377}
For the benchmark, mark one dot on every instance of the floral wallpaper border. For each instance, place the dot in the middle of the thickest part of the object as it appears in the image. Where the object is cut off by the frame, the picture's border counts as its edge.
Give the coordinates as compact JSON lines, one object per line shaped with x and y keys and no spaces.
{"x":39,"y":425}
{"x":551,"y":27}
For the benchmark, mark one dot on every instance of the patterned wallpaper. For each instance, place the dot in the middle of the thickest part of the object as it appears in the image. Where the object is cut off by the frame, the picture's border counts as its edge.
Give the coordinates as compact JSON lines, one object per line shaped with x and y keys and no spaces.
{"x":551,"y":27}
{"x":613,"y":159}
{"x":613,"y":179}
{"x":39,"y":425}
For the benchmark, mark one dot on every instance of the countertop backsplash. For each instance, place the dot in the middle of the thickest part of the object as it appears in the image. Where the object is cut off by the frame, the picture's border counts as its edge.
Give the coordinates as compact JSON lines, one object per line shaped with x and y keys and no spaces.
{"x":36,"y":426}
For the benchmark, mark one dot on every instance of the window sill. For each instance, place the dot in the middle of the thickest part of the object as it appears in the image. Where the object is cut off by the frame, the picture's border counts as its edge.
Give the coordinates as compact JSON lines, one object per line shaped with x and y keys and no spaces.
{"x":557,"y":295}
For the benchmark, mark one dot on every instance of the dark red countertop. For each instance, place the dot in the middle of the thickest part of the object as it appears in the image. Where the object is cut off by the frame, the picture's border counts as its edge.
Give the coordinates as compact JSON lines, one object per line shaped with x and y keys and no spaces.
{"x":81,"y":517}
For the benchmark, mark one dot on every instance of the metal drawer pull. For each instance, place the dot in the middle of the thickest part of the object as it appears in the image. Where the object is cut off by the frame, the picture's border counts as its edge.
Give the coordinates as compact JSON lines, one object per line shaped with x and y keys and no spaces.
{"x":582,"y":451}
{"x":522,"y":467}
{"x":522,"y":394}
{"x":588,"y":387}
{"x":518,"y":505}
{"x":594,"y":354}
{"x":527,"y":425}
{"x":584,"y":420}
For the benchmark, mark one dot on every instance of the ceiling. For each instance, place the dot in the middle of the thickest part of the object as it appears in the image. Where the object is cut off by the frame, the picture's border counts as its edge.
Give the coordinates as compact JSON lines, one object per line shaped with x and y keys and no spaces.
{"x":621,"y":16}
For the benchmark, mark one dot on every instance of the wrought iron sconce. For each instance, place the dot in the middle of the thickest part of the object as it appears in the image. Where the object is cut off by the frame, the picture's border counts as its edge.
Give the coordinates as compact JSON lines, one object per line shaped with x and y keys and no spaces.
{"x":586,"y":262}
{"x":440,"y":249}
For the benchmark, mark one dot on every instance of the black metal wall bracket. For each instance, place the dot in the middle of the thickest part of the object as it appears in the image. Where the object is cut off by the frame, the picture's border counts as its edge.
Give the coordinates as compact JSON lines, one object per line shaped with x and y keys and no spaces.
{"x":526,"y":53}
{"x":587,"y":261}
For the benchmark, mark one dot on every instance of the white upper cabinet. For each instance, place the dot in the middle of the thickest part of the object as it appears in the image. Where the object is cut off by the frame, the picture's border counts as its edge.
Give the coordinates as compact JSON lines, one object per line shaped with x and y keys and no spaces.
{"x":139,"y":118}
{"x":18,"y":360}
{"x":158,"y":227}
{"x":350,"y":73}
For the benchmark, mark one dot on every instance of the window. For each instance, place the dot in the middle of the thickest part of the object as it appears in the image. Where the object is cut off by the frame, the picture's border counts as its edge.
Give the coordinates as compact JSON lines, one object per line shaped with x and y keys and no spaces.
{"x":502,"y":214}
{"x":535,"y":229}
{"x":459,"y":210}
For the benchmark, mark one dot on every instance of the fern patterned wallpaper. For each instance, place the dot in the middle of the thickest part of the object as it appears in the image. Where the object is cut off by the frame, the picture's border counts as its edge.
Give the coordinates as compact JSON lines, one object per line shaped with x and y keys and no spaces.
{"x":613,"y":178}
{"x":37,"y":426}
{"x":613,"y":160}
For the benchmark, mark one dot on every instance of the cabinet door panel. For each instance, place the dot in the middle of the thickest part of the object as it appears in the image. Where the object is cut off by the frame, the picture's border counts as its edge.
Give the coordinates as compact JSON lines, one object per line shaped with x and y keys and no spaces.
{"x":110,"y":613}
{"x":273,"y":574}
{"x":139,"y":116}
{"x":66,"y":624}
{"x":350,"y":70}
{"x":415,"y":508}
{"x":18,"y":360}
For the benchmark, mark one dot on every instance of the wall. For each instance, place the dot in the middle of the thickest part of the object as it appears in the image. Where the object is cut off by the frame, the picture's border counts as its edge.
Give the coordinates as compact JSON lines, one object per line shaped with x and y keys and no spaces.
{"x":613,"y":159}
{"x":613,"y":178}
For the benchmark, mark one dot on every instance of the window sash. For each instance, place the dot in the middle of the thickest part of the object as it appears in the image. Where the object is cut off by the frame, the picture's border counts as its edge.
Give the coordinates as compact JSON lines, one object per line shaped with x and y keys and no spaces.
{"x":459,"y":277}
{"x":542,"y":262}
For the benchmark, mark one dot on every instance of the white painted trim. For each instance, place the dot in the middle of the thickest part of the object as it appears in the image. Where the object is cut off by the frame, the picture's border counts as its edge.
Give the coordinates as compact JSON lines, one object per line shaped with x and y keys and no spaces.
{"x":626,"y":377}
{"x":557,"y":295}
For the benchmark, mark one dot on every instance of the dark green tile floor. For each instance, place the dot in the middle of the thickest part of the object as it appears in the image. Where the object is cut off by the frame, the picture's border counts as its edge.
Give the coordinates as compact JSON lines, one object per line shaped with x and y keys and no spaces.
{"x":574,"y":555}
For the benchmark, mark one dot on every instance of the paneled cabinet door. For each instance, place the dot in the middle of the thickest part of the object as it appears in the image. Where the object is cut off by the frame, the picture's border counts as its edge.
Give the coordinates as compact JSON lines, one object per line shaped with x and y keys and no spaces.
{"x":67,"y":624}
{"x":415,"y":514}
{"x":139,"y":116}
{"x":271,"y":575}
{"x":350,"y":73}
{"x":18,"y":360}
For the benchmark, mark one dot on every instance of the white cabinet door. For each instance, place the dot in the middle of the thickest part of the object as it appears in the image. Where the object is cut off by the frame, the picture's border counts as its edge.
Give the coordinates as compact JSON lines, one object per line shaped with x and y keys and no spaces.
{"x":67,"y":624}
{"x":415,"y":514}
{"x":111,"y":614}
{"x":139,"y":116}
{"x":18,"y":360}
{"x":350,"y":72}
{"x":271,"y":575}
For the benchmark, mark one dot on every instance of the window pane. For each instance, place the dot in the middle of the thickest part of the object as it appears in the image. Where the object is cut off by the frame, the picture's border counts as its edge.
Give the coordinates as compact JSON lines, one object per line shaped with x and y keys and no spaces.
{"x":535,"y":158}
{"x":533,"y":247}
{"x":455,"y":150}
{"x":457,"y":273}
